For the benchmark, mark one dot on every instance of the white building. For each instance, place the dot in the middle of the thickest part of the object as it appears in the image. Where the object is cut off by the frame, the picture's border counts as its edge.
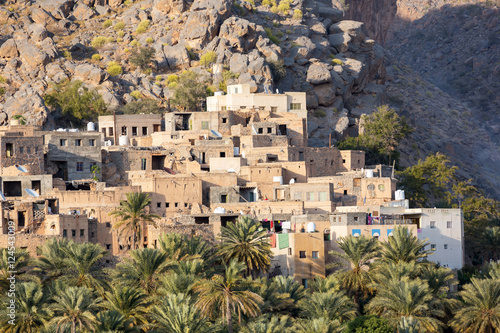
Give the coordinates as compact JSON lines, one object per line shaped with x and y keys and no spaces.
{"x":239,"y":96}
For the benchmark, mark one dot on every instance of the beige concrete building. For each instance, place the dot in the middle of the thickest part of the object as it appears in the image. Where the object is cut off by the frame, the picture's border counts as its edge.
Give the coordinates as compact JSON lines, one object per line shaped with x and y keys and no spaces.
{"x":128,"y":127}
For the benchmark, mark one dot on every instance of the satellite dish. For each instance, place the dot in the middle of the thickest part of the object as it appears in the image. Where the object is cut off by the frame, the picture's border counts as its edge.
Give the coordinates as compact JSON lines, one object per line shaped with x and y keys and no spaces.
{"x":32,"y":193}
{"x":254,"y":130}
{"x":217,"y":134}
{"x":292,"y":181}
{"x":241,"y":212}
{"x":231,"y":170}
{"x":2,"y":197}
{"x":21,"y":168}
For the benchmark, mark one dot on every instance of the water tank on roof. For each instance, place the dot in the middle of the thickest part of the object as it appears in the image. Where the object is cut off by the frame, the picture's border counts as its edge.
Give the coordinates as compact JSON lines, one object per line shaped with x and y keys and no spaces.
{"x":90,"y":127}
{"x":278,"y":179}
{"x":123,"y":140}
{"x":369,"y":173}
{"x":219,"y":210}
{"x":311,"y":227}
{"x":399,"y":195}
{"x":218,"y":93}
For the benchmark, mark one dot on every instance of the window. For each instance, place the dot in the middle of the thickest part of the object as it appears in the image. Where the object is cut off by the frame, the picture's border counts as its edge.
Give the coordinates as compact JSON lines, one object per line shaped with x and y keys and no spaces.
{"x":21,"y":150}
{"x":176,"y":204}
{"x":134,"y":130}
{"x":274,"y":109}
{"x":322,"y":196}
{"x":156,"y":128}
{"x":224,"y":120}
{"x":223,"y":108}
{"x":124,"y":130}
{"x":295,"y":106}
{"x":110,"y":130}
{"x":345,"y":192}
{"x":91,"y":142}
{"x":91,"y":165}
{"x":343,"y":161}
{"x":108,"y":246}
{"x":144,"y":131}
{"x":158,"y":204}
{"x":62,"y":142}
{"x":78,"y":142}
{"x":356,"y":218}
{"x":297,"y":196}
{"x":223,"y":198}
{"x":204,"y":125}
{"x":82,"y":232}
{"x":167,"y":204}
{"x":269,"y":130}
{"x":326,"y":237}
{"x":79,"y":166}
{"x":103,"y":130}
{"x":222,"y":154}
{"x":448,"y":224}
{"x":446,"y":246}
{"x":302,"y":254}
{"x":65,"y":233}
{"x":9,"y":147}
{"x":260,"y":131}
{"x":108,"y":225}
{"x":186,"y":205}
{"x":433,"y":224}
{"x":433,"y":247}
{"x":310,"y":196}
{"x":289,"y":251}
{"x":143,"y":164}
{"x":73,"y":232}
{"x":304,"y":283}
{"x":243,"y":106}
{"x":315,"y":254}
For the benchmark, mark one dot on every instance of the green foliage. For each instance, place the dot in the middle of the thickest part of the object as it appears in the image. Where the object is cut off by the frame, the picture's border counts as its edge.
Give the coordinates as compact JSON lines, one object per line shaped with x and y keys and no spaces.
{"x":369,"y":324}
{"x":95,"y":170}
{"x":135,"y":43}
{"x":189,"y":92}
{"x":192,"y":55}
{"x":278,"y":69}
{"x":284,"y":7}
{"x":136,"y":94}
{"x":119,"y":26}
{"x":142,"y":57}
{"x":75,"y":102}
{"x":107,"y":23}
{"x":269,"y":3}
{"x":120,"y":34}
{"x":144,"y":105}
{"x":142,"y":27}
{"x":21,"y":119}
{"x":96,"y":57}
{"x":297,"y":14}
{"x":149,"y":40}
{"x":337,"y":61}
{"x":173,"y":78}
{"x":208,"y":58}
{"x":2,"y":91}
{"x":98,"y":42}
{"x":114,"y":68}
{"x":271,"y":36}
{"x":2,"y":80}
{"x":228,"y":75}
{"x":67,"y":55}
{"x":320,"y":113}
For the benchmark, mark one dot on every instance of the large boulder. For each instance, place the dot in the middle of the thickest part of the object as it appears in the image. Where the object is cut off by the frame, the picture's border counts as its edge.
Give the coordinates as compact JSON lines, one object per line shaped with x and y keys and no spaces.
{"x":89,"y":74}
{"x":340,"y":41}
{"x":353,"y":28}
{"x":59,"y":9}
{"x":318,"y":73}
{"x":8,"y":49}
{"x":238,"y":63}
{"x":173,"y":7}
{"x":31,"y":55}
{"x":325,"y":93}
{"x":177,"y":56}
{"x":83,"y":12}
{"x":241,"y":34}
{"x":41,"y":16}
{"x":37,"y":32}
{"x":28,"y":103}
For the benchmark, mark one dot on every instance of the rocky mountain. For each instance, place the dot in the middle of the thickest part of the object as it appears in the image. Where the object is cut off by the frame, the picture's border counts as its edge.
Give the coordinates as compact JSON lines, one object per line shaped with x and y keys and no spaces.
{"x":297,"y":45}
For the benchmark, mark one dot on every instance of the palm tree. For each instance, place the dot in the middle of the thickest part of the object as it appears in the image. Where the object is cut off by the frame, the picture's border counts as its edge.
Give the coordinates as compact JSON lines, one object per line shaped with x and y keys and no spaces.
{"x":318,"y":325}
{"x":405,"y":298}
{"x":357,"y":253}
{"x":132,"y":304}
{"x":176,"y":313}
{"x":52,"y":262}
{"x":7,"y":265}
{"x":114,"y":321}
{"x":403,"y":246}
{"x":132,"y":213}
{"x":247,"y":242}
{"x":494,"y":270}
{"x":74,"y":307}
{"x":83,"y":266}
{"x":227,"y":294}
{"x":182,"y":247}
{"x":272,"y":299}
{"x":294,"y":290}
{"x":329,"y":305}
{"x":182,"y":278}
{"x":32,"y":313}
{"x":490,"y":243}
{"x":142,"y":270}
{"x":480,"y":308}
{"x":408,"y":325}
{"x":273,"y":324}
{"x":323,"y":285}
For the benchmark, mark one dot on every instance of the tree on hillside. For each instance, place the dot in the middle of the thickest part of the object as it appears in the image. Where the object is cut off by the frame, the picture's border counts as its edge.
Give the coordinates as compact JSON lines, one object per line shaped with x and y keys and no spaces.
{"x":22,"y":260}
{"x":76,"y":102}
{"x":142,"y":58}
{"x":132,"y":213}
{"x":189,"y":92}
{"x":143,"y":105}
{"x":247,"y":242}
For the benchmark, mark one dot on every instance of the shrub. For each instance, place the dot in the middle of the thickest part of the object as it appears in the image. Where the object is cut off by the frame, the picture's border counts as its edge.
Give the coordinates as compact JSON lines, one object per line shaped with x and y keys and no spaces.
{"x":136,"y":94}
{"x":145,"y":106}
{"x":269,"y":2}
{"x":67,"y":54}
{"x":107,"y":23}
{"x":284,"y":7}
{"x":2,"y":91}
{"x":288,"y":31}
{"x":114,"y":68}
{"x":337,"y":61}
{"x":2,"y":79}
{"x":119,"y":40}
{"x":277,"y":68}
{"x":143,"y":27}
{"x":173,"y":78}
{"x":192,"y":55}
{"x":96,"y":57}
{"x":127,"y":50}
{"x":119,"y":26}
{"x":297,"y":14}
{"x":172,"y":85}
{"x":272,"y":37}
{"x":120,"y":34}
{"x":189,"y":91}
{"x":110,"y":40}
{"x":320,"y":113}
{"x":276,"y":24}
{"x":208,"y":58}
{"x":158,"y":78}
{"x":147,"y":71}
{"x":98,"y":42}
{"x":21,"y":119}
{"x":228,"y":75}
{"x":279,"y":34}
{"x":143,"y":57}
{"x":128,"y":2}
{"x":149,"y":40}
{"x":135,"y":43}
{"x":275,"y":9}
{"x":75,"y":101}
